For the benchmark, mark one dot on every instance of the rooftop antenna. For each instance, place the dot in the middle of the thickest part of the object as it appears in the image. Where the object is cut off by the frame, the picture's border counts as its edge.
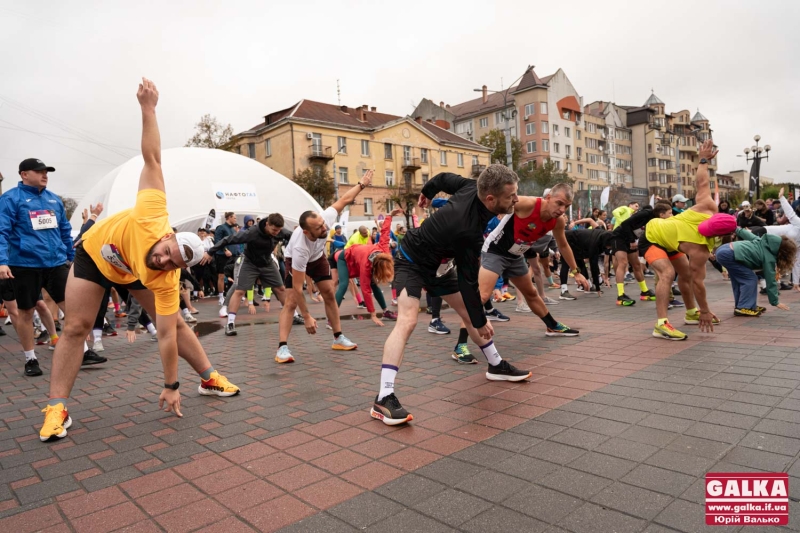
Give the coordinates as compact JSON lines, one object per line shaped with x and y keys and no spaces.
{"x":338,"y":92}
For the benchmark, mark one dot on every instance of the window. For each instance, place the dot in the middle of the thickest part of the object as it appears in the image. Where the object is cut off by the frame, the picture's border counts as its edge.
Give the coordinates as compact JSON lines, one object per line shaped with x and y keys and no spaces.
{"x":651,"y":162}
{"x":460,"y":160}
{"x":368,"y":206}
{"x":543,"y":108}
{"x":532,"y":164}
{"x":580,"y":168}
{"x":423,"y":155}
{"x":545,"y":127}
{"x":343,"y":175}
{"x":568,"y":149}
{"x":443,"y":158}
{"x":484,"y":122}
{"x":424,"y":179}
{"x":555,"y":129}
{"x":591,"y":143}
{"x":499,"y":118}
{"x":580,"y":151}
{"x":406,"y":153}
{"x":592,"y":159}
{"x":530,"y":109}
{"x":594,"y":174}
{"x":556,"y":148}
{"x":464,"y":127}
{"x":531,"y":148}
{"x":387,"y":151}
{"x":530,"y":129}
{"x":268,"y":147}
{"x":341,"y":144}
{"x":251,"y":150}
{"x":475,"y":160}
{"x":649,"y":148}
{"x":389,"y":205}
{"x":365,"y":148}
{"x":569,"y":167}
{"x":557,"y":164}
{"x":390,"y":178}
{"x":545,"y":145}
{"x":578,"y":134}
{"x":567,"y":132}
{"x":591,"y":127}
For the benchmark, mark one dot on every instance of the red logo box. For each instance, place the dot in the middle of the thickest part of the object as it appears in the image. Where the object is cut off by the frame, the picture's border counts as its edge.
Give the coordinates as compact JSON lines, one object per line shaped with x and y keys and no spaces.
{"x":747,"y":499}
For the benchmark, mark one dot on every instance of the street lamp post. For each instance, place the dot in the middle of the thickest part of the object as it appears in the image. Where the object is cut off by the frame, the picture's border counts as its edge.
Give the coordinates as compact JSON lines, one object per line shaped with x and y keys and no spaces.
{"x":509,"y":159}
{"x":755,"y":170}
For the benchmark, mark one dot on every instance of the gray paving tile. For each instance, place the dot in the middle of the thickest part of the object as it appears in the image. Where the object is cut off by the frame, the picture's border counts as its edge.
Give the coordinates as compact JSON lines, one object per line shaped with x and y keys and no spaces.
{"x":652,"y":436}
{"x":319,"y":523}
{"x":449,"y":471}
{"x":540,"y":430}
{"x":365,"y":509}
{"x":632,"y":500}
{"x":452,"y":507}
{"x":771,"y":443}
{"x":759,"y":459}
{"x":603,"y":465}
{"x":680,"y":462}
{"x":512,"y":442}
{"x":410,"y":489}
{"x":705,"y":430}
{"x":409,"y":521}
{"x":46,"y":489}
{"x":554,"y":452}
{"x":492,"y":486}
{"x":658,"y":479}
{"x":524,"y":467}
{"x":591,"y":518}
{"x":695,"y":446}
{"x":543,"y":504}
{"x":627,"y":449}
{"x":575,"y":482}
{"x":501,"y":520}
{"x":579,"y":438}
{"x":684,"y":516}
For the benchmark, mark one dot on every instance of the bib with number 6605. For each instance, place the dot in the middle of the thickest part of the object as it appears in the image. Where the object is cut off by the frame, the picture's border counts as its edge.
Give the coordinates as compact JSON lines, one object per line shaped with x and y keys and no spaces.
{"x":43,"y":219}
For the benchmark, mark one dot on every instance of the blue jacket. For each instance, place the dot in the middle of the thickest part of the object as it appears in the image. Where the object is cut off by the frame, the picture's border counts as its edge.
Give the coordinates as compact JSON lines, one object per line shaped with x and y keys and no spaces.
{"x":20,"y":244}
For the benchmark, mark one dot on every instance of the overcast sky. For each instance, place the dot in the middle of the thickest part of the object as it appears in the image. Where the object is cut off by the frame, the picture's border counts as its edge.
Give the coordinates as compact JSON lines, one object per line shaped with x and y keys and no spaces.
{"x":69,"y":69}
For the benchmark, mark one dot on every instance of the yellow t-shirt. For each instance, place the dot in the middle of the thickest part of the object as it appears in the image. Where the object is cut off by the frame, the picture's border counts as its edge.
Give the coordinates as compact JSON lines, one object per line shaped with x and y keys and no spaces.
{"x":670,"y":232}
{"x":621,"y":214}
{"x":120,"y":243}
{"x":356,"y":238}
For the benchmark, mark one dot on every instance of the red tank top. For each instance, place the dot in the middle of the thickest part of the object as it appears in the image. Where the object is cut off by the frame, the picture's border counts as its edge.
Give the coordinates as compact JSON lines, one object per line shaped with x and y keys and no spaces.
{"x":530,"y":229}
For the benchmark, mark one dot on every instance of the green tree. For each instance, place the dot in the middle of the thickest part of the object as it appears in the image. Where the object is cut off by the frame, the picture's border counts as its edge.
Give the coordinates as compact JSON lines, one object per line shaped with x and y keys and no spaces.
{"x":404,"y":198}
{"x":210,"y":133}
{"x":318,"y":183}
{"x":535,"y":181}
{"x":69,"y":206}
{"x":495,"y":140}
{"x":770,"y":191}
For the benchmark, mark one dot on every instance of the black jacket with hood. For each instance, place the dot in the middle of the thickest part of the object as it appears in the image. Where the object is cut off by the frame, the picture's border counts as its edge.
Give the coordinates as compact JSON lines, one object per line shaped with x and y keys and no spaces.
{"x":260,"y":243}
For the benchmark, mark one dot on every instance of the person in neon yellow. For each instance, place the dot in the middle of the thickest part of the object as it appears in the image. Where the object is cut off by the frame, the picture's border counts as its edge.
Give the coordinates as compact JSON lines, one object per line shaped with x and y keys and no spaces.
{"x":624,"y":212}
{"x":359,"y":237}
{"x":672,"y":240}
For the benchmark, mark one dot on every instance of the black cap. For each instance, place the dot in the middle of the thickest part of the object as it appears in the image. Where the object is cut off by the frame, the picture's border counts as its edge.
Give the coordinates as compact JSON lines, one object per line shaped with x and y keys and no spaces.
{"x":34,"y":164}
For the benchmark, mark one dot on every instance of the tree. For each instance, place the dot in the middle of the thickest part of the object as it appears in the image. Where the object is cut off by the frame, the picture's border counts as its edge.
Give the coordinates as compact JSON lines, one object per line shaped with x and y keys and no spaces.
{"x":403,"y":197}
{"x":535,"y":181}
{"x":69,"y":206}
{"x":770,"y":191}
{"x":318,"y":183}
{"x":210,"y":133}
{"x":495,"y":140}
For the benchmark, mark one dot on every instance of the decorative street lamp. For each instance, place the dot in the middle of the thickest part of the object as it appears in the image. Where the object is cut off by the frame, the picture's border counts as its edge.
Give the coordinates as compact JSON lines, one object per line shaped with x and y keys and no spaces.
{"x":755,"y":169}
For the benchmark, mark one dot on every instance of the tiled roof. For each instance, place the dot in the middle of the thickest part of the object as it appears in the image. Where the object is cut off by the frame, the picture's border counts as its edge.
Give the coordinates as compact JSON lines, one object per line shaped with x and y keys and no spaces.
{"x":471,"y":107}
{"x":653,"y":100}
{"x":447,"y":136}
{"x":698,"y":117}
{"x":529,"y":80}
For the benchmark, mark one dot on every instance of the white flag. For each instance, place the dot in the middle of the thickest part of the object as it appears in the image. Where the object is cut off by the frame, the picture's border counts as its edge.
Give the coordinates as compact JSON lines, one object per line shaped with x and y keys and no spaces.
{"x":604,"y":197}
{"x":652,"y":200}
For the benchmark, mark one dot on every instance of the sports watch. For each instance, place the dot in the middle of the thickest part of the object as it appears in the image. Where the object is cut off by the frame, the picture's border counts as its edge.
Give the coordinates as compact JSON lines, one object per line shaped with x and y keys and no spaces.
{"x":173,"y":386}
{"x":704,"y":161}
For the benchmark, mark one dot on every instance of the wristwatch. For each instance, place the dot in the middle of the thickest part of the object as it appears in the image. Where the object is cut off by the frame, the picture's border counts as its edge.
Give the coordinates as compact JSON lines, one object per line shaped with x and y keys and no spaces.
{"x":704,"y":161}
{"x":173,"y":386}
{"x":575,"y":271}
{"x":362,"y":185}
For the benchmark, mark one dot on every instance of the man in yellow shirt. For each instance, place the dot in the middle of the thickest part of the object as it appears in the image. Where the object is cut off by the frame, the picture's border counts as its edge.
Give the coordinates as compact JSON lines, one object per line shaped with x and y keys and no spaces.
{"x":136,"y":249}
{"x":358,"y":237}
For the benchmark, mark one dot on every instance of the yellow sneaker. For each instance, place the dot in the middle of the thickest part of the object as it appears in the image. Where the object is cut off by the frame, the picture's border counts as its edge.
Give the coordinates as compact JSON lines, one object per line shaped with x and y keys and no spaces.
{"x":217,"y":385}
{"x":692,"y":319}
{"x":56,"y":422}
{"x":666,"y":331}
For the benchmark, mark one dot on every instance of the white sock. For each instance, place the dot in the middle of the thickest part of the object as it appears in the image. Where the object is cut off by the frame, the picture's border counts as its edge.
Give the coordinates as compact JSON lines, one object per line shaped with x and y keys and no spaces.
{"x":151,"y":329}
{"x":490,"y":352}
{"x":30,"y":355}
{"x":85,"y":347}
{"x":762,"y":283}
{"x":186,"y":313}
{"x":388,"y":373}
{"x":231,"y":318}
{"x":564,"y":288}
{"x":98,"y":334}
{"x":296,"y":313}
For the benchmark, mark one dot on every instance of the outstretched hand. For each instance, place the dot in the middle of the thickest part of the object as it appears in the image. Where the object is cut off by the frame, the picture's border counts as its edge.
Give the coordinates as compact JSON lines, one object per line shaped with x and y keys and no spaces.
{"x":96,"y":209}
{"x":147,"y":94}
{"x":780,"y":193}
{"x":707,"y":151}
{"x":396,"y":212}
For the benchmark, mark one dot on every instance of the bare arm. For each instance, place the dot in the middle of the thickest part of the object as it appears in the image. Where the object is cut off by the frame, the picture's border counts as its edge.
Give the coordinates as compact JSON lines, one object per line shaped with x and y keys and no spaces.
{"x":350,"y":195}
{"x":297,"y":287}
{"x":566,"y":251}
{"x":151,"y":177}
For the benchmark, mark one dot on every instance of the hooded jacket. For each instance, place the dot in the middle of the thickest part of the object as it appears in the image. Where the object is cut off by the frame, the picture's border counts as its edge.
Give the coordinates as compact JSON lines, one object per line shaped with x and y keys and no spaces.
{"x":359,"y":265}
{"x":759,"y":253}
{"x":23,"y":246}
{"x":259,"y":243}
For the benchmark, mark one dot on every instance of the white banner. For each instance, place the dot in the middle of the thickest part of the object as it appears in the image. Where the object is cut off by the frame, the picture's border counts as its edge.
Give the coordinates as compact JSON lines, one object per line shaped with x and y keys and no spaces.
{"x":237,"y":197}
{"x":604,"y":197}
{"x":343,"y":218}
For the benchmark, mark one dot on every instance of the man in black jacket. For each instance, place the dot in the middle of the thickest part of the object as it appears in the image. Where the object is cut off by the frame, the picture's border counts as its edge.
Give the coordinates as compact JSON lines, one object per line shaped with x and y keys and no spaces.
{"x":454,"y":231}
{"x":257,"y":263}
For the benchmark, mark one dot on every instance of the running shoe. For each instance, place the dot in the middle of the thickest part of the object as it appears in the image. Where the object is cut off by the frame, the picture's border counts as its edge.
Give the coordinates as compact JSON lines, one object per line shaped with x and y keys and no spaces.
{"x":223,"y":311}
{"x":579,"y":288}
{"x":394,"y":302}
{"x":629,"y":278}
{"x":109,"y":331}
{"x":692,"y":319}
{"x":2,"y":332}
{"x":549,"y":301}
{"x":265,"y":299}
{"x":666,"y":331}
{"x":97,"y":345}
{"x":120,"y":314}
{"x":675,"y":303}
{"x":676,"y":291}
{"x":389,"y":411}
{"x":298,"y":320}
{"x":437,"y":326}
{"x":91,"y":358}
{"x":554,"y":286}
{"x":625,"y":300}
{"x":56,"y":423}
{"x":58,"y":323}
{"x":496,"y":316}
{"x":189,"y":318}
{"x":328,"y":325}
{"x":154,"y":337}
{"x":389,"y":315}
{"x":53,"y":344}
{"x":562,"y":330}
{"x":508,"y":297}
{"x":566,"y":296}
{"x":743,"y":311}
{"x":217,"y":385}
{"x":785,"y":286}
{"x":343,"y":343}
{"x":230,"y":329}
{"x":506,"y":372}
{"x":428,"y":311}
{"x":37,"y":333}
{"x":761,"y":310}
{"x":42,"y":340}
{"x":522,"y":307}
{"x":649,"y":274}
{"x":362,"y":305}
{"x":647,"y":296}
{"x":284,"y":355}
{"x":32,"y":368}
{"x":463,"y":355}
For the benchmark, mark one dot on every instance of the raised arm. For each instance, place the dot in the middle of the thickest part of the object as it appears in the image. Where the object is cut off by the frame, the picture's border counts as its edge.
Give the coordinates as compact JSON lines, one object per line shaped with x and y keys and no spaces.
{"x":350,"y":195}
{"x":446,"y":182}
{"x":794,"y":220}
{"x":151,"y":177}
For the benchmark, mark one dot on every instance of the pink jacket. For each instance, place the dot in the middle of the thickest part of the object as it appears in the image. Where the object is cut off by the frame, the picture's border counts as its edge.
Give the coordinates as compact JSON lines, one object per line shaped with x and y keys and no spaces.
{"x":359,"y":265}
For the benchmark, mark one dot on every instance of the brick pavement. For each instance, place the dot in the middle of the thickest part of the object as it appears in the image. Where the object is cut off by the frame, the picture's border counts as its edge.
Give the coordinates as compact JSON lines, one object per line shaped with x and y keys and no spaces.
{"x":614,"y":432}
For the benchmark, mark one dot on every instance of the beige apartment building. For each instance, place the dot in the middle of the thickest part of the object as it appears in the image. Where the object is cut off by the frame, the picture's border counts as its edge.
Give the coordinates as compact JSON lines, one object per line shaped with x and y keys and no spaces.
{"x":403,"y":152}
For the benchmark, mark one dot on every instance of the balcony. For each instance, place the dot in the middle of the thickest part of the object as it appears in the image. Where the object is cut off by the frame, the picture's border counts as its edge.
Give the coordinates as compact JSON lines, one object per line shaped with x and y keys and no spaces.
{"x":411,"y":163}
{"x":692,"y":148}
{"x":477,"y":169}
{"x":320,"y":153}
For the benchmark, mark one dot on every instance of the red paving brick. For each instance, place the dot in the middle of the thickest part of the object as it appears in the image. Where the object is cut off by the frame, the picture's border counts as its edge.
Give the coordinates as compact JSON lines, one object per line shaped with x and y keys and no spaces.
{"x":327,"y":493}
{"x":297,"y":477}
{"x":93,"y":502}
{"x":279,"y":513}
{"x":271,"y":464}
{"x":247,"y":453}
{"x":372,"y":475}
{"x":169,"y":499}
{"x":193,"y":516}
{"x":150,"y":483}
{"x":248,"y":495}
{"x":109,"y":519}
{"x":43,"y":518}
{"x":340,"y":461}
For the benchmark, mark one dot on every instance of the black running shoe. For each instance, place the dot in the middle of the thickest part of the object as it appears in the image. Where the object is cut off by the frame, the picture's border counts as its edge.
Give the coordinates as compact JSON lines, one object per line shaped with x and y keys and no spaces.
{"x":496,"y":316}
{"x":506,"y":372}
{"x":91,"y":358}
{"x":58,"y":325}
{"x":230,"y":330}
{"x":390,"y":412}
{"x":298,"y":320}
{"x":109,"y":330}
{"x":32,"y":368}
{"x":625,"y":300}
{"x":2,"y":332}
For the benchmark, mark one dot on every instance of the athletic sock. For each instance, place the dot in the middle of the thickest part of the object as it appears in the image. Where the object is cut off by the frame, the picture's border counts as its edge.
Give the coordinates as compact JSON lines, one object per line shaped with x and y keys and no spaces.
{"x":643,"y":285}
{"x":490,"y":352}
{"x":151,"y":329}
{"x":205,"y":375}
{"x":56,"y":401}
{"x":337,"y":334}
{"x":359,"y":299}
{"x":662,"y":321}
{"x":620,"y":289}
{"x":231,"y":318}
{"x":488,"y":305}
{"x":564,"y":288}
{"x":549,"y":321}
{"x":388,"y":373}
{"x":691,"y":311}
{"x":98,"y":334}
{"x":85,"y":347}
{"x":550,"y":280}
{"x":268,"y":293}
{"x":30,"y":355}
{"x":53,"y":339}
{"x":116,"y":308}
{"x":394,"y":294}
{"x":282,"y":344}
{"x":463,"y":335}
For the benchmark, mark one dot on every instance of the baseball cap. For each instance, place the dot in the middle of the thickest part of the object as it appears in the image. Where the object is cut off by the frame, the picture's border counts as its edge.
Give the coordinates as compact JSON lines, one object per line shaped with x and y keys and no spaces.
{"x":34,"y":164}
{"x":679,"y":198}
{"x":191,"y":247}
{"x":745,"y":204}
{"x":717,"y":225}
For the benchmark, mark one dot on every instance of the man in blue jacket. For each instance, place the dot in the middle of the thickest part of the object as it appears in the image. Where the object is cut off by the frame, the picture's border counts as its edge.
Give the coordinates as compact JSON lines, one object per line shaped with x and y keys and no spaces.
{"x":35,"y":248}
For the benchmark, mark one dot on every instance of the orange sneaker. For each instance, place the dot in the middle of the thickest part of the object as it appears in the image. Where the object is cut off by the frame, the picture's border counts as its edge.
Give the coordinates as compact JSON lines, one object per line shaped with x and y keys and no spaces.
{"x":217,"y":385}
{"x":56,"y":423}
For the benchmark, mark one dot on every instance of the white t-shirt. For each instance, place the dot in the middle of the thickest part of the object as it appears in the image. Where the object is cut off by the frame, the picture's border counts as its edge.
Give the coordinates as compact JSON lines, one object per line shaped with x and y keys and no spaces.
{"x":303,"y":251}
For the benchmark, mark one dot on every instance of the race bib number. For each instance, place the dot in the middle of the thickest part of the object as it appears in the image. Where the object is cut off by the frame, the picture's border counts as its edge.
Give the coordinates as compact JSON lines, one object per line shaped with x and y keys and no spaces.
{"x":519,"y":248}
{"x":43,"y":219}
{"x":111,"y":254}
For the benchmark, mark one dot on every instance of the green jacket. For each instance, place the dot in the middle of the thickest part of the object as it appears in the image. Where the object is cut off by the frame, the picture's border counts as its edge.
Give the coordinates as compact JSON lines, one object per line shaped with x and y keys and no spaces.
{"x":759,"y":253}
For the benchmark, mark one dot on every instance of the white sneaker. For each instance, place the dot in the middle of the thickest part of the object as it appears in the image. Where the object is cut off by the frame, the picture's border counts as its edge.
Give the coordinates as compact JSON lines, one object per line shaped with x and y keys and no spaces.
{"x":343,"y":343}
{"x":264,"y":299}
{"x":328,"y":325}
{"x":549,"y":301}
{"x":189,"y":318}
{"x":223,"y":311}
{"x":7,"y":322}
{"x":522,"y":307}
{"x":154,"y":337}
{"x":97,"y":346}
{"x":284,"y":355}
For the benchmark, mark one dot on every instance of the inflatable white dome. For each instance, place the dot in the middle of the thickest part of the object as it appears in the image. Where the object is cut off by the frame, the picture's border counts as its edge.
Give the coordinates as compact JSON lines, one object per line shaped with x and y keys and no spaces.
{"x":198,"y":180}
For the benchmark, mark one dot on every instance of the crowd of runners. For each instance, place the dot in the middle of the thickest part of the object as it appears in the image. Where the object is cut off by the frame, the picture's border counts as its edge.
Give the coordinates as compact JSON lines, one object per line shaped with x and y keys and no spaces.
{"x":479,"y":239}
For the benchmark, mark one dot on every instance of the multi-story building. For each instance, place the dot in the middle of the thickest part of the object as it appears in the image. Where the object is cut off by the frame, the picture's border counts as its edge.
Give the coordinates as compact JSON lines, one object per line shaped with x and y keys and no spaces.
{"x":727,"y":186}
{"x":402,"y":151}
{"x":619,"y":147}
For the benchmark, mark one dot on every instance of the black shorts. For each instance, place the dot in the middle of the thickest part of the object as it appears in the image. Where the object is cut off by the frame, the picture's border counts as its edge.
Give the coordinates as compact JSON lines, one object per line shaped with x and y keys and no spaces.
{"x":413,"y":279}
{"x":84,"y":267}
{"x":332,"y":262}
{"x":318,"y":270}
{"x":620,"y":244}
{"x":221,"y":261}
{"x":7,"y":292}
{"x":29,"y":282}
